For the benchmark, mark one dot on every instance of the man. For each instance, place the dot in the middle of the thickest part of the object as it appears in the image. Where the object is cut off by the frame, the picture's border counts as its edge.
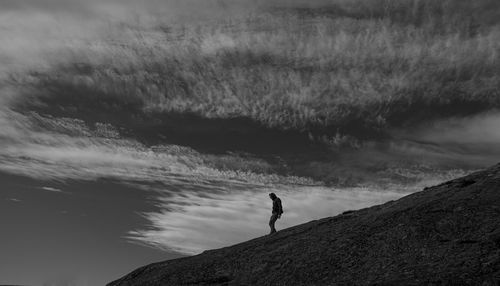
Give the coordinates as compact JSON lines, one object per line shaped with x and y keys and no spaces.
{"x":277,"y":211}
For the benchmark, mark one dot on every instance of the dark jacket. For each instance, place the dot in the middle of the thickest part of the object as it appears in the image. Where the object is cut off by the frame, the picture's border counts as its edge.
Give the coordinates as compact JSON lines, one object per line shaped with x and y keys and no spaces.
{"x":277,"y":208}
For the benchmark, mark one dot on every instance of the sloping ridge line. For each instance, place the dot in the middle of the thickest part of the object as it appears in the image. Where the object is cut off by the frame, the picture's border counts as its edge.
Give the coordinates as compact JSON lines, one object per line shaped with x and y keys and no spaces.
{"x":448,"y":234}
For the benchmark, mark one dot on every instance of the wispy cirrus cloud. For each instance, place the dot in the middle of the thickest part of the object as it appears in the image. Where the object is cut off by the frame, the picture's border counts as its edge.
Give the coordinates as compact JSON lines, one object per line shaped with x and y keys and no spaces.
{"x":55,"y":148}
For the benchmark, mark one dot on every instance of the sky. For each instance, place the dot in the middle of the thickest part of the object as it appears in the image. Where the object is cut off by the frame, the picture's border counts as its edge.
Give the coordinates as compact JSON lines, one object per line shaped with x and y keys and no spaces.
{"x":90,"y":205}
{"x":81,"y":205}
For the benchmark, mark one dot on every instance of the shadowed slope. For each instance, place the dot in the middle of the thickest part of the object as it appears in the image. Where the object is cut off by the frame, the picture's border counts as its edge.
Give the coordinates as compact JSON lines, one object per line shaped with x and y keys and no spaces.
{"x":447,"y":235}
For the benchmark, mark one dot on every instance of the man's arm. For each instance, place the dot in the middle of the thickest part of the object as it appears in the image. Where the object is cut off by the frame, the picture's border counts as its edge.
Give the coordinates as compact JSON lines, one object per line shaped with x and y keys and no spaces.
{"x":280,"y":209}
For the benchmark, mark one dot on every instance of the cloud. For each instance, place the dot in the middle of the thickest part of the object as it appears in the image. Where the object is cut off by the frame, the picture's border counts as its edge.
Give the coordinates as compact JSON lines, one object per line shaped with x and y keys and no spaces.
{"x":471,"y":140}
{"x":192,"y":222}
{"x":68,"y":149}
{"x":38,"y":34}
{"x":49,"y":5}
{"x":479,"y":129}
{"x":191,"y":10}
{"x":50,"y":189}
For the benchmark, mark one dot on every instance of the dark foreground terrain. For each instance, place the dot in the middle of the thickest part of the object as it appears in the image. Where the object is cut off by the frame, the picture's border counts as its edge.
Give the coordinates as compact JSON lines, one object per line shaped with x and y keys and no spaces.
{"x":445,"y":235}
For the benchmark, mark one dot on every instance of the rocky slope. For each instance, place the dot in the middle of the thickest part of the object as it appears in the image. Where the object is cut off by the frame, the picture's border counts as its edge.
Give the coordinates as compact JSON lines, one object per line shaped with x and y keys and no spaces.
{"x":445,"y":235}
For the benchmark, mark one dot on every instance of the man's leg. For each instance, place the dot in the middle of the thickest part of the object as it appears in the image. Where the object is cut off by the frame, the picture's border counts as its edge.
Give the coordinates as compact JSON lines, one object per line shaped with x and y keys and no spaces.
{"x":272,"y":220}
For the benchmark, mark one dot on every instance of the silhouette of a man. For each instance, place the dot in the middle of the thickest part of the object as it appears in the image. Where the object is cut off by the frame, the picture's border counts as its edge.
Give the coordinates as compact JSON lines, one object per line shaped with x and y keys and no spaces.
{"x":276,"y":213}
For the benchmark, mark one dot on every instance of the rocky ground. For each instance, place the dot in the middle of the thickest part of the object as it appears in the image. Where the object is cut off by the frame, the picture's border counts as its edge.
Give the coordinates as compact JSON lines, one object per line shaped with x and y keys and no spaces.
{"x":444,"y":235}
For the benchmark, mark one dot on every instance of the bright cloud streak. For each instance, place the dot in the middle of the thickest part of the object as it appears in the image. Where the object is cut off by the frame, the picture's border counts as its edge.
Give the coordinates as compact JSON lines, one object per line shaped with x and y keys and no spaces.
{"x":86,"y":154}
{"x":190,"y":223}
{"x":50,"y":189}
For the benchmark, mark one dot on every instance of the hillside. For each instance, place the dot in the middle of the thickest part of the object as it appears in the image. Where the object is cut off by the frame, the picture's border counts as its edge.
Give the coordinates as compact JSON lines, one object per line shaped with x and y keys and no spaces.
{"x":445,"y":235}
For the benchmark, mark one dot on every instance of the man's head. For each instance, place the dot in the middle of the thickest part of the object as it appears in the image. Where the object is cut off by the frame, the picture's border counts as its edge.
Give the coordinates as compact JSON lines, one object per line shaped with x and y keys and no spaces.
{"x":272,"y":196}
